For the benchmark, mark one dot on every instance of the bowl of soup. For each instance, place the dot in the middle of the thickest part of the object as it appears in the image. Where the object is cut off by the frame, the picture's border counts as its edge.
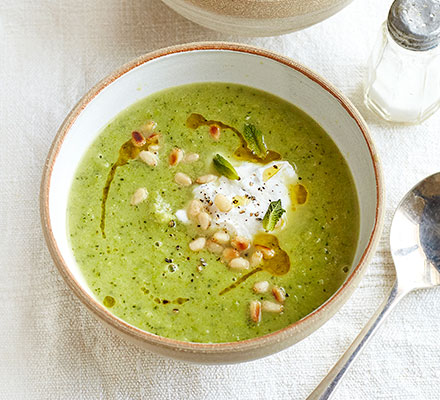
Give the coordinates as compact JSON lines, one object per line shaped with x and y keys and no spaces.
{"x":212,"y":202}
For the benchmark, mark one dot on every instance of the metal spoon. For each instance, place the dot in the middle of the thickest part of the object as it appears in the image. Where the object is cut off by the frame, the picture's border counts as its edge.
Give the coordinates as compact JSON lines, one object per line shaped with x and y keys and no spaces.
{"x":415,"y":247}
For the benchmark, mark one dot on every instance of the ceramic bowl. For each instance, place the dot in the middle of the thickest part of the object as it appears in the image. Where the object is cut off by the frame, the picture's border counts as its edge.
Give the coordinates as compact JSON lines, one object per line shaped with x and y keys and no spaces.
{"x":207,"y":62}
{"x":256,"y":17}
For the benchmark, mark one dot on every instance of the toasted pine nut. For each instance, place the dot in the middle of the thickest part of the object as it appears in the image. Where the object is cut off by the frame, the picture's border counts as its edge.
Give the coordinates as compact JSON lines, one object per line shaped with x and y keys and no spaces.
{"x":215,"y":132}
{"x":148,"y":158}
{"x":176,"y":156}
{"x":204,"y":220}
{"x":194,"y":209}
{"x":191,"y":157}
{"x":154,"y":148}
{"x":279,"y":294}
{"x":197,"y":244}
{"x":229,"y":254}
{"x":255,"y":311}
{"x":182,"y":179}
{"x":220,"y":237}
{"x":206,"y":178}
{"x":268,"y":253}
{"x":256,"y":258}
{"x":214,"y":247}
{"x":240,"y":243}
{"x":261,"y":287}
{"x":222,"y":203}
{"x":148,"y":127}
{"x":139,"y":196}
{"x":138,"y":139}
{"x":239,"y":263}
{"x":153,"y":138}
{"x":270,"y":306}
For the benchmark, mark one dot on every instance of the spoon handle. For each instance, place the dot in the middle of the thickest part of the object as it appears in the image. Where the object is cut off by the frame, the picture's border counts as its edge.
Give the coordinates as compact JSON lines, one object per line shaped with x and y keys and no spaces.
{"x":328,"y":385}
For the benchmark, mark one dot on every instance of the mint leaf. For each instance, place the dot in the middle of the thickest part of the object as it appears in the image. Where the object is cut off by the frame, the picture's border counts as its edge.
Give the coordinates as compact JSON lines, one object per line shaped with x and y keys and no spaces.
{"x":224,"y":167}
{"x":273,"y":215}
{"x":255,"y":141}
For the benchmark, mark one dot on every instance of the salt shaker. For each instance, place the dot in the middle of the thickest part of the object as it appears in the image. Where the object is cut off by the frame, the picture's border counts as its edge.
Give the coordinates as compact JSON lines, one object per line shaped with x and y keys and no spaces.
{"x":403,"y":79}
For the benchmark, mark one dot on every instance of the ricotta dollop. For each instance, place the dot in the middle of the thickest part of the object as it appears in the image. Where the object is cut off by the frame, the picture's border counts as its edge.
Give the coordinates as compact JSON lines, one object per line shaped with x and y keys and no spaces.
{"x":250,"y":195}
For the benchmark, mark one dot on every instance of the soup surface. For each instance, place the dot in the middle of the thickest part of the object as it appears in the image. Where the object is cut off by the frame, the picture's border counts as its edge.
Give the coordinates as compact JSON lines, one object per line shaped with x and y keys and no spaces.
{"x":213,"y":212}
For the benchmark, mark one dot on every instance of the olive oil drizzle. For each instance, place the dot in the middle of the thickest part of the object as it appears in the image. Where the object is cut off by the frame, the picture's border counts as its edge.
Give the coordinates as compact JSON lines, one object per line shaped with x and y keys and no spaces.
{"x":194,"y":121}
{"x":278,"y":265}
{"x":127,"y":152}
{"x":298,"y":195}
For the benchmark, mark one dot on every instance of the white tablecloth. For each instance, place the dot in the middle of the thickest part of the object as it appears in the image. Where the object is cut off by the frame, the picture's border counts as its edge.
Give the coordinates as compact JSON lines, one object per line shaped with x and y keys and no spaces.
{"x":51,"y":53}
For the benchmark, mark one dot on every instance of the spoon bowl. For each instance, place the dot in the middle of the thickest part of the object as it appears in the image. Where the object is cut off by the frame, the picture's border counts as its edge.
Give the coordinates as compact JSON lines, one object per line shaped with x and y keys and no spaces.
{"x":415,"y":248}
{"x":415,"y":236}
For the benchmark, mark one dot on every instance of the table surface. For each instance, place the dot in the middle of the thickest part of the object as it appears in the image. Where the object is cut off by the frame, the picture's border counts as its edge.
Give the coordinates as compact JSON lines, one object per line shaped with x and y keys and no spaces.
{"x":51,"y":53}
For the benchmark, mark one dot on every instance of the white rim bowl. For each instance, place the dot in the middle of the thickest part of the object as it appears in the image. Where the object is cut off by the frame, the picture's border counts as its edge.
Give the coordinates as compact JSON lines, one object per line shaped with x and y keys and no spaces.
{"x":207,"y":62}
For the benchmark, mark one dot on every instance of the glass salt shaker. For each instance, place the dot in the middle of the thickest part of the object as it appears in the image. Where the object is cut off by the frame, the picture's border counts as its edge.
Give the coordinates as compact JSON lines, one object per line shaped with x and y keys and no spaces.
{"x":403,"y":79}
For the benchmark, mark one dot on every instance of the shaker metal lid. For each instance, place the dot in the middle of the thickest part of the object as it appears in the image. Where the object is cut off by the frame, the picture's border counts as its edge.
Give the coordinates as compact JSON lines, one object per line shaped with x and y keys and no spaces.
{"x":415,"y":24}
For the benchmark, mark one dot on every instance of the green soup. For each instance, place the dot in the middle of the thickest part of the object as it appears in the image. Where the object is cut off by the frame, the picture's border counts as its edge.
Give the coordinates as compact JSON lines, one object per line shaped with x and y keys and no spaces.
{"x":138,"y":262}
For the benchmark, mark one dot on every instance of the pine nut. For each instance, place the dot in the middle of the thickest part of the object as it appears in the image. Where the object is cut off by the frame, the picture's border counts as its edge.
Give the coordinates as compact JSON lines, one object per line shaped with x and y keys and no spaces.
{"x":268,"y":253}
{"x":154,"y":148}
{"x":229,"y":254}
{"x":139,"y":196}
{"x":191,"y":157}
{"x":240,"y":243}
{"x":138,"y":139}
{"x":148,"y":127}
{"x":206,"y":178}
{"x":214,"y":131}
{"x":272,"y":307}
{"x":148,"y":158}
{"x":182,"y":179}
{"x":255,"y":311}
{"x":221,"y":237}
{"x":214,"y":247}
{"x":239,"y":263}
{"x":194,"y":209}
{"x":204,"y":220}
{"x":222,"y":203}
{"x":176,"y":156}
{"x":256,"y":258}
{"x":197,"y":244}
{"x":153,"y":138}
{"x":279,"y":294}
{"x":261,"y":287}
